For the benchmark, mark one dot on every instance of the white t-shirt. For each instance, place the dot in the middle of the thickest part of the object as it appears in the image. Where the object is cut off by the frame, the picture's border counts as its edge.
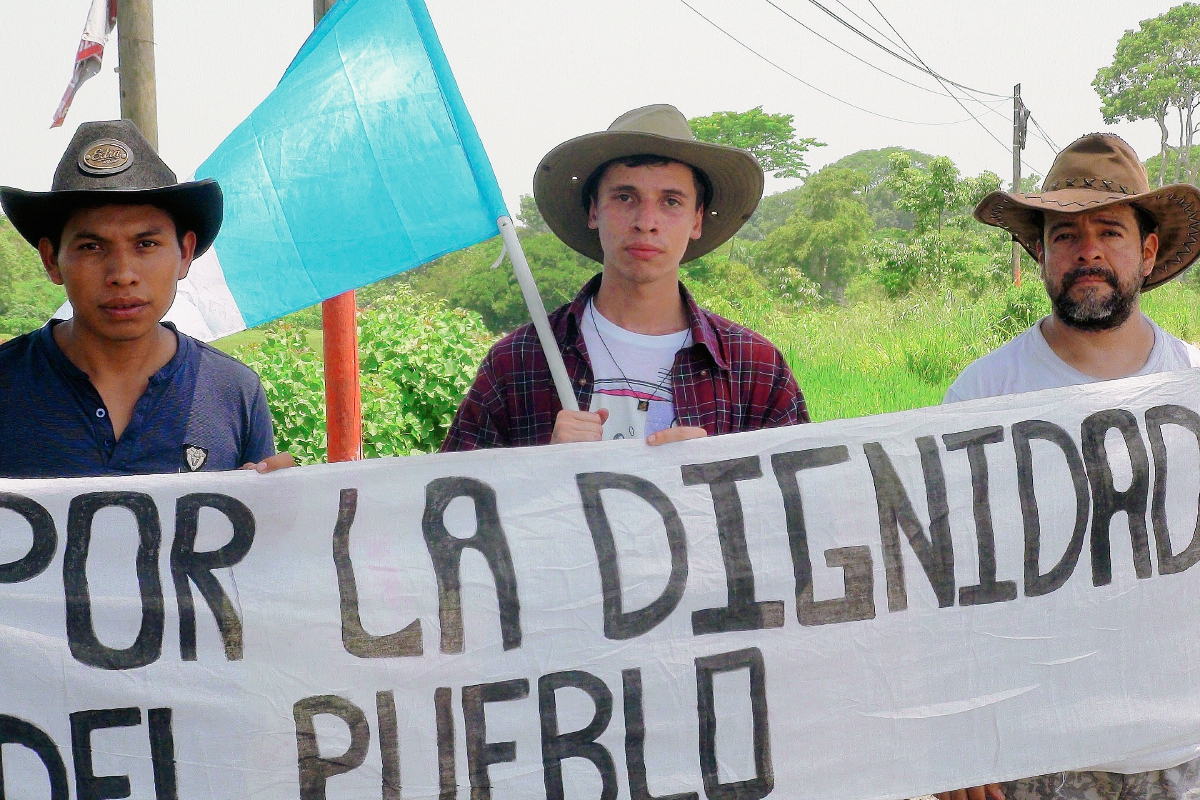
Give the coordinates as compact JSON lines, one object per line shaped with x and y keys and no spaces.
{"x":1027,"y":364}
{"x":632,"y":373}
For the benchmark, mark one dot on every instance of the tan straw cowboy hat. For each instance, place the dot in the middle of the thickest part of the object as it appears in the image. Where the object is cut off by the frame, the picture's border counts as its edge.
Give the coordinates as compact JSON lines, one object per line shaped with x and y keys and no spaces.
{"x":659,"y":130}
{"x":1095,"y":171}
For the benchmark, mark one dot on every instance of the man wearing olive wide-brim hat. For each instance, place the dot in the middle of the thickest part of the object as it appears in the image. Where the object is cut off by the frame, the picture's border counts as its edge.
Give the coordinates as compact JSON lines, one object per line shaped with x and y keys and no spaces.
{"x":643,"y":358}
{"x":113,"y":390}
{"x":1101,"y":237}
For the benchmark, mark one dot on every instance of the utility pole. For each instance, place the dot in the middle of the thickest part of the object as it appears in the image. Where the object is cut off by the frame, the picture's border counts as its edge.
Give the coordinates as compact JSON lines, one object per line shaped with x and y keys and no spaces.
{"x":135,"y":50}
{"x":339,"y":332}
{"x":1020,"y":123}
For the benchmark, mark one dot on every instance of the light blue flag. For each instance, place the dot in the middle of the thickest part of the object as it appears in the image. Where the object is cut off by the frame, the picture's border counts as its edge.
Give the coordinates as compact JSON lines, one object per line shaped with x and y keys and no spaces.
{"x":362,"y":163}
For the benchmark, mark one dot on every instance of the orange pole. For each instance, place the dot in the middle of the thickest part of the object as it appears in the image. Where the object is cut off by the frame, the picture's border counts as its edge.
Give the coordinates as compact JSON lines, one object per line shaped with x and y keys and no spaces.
{"x":343,"y":400}
{"x":339,"y":332}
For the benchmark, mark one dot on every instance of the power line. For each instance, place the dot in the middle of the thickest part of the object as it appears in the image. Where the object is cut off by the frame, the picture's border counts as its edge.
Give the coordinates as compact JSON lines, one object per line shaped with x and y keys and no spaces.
{"x":854,"y":56}
{"x":856,"y":15}
{"x":1045,"y":137}
{"x":1040,"y":133}
{"x":941,"y":80}
{"x":800,"y":80}
{"x":922,"y":66}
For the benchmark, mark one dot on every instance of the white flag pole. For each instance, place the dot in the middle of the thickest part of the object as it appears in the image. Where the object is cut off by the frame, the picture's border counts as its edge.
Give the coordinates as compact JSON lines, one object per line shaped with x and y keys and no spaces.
{"x":537,"y":313}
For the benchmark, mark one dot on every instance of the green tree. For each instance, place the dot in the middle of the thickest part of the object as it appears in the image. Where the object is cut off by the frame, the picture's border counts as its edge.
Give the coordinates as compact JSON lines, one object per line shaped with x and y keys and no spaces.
{"x":530,"y":218}
{"x":879,"y":196}
{"x":823,"y":238}
{"x":1138,"y":84}
{"x":945,"y":243}
{"x":770,"y":137}
{"x":1156,"y":68}
{"x":775,"y":209}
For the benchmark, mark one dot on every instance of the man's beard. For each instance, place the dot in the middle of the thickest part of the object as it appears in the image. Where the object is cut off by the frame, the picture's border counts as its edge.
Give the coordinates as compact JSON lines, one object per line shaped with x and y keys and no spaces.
{"x":1092,"y":312}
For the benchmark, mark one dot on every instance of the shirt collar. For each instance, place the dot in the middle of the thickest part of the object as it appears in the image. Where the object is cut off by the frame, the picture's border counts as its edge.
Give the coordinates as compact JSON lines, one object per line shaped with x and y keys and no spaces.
{"x":184,"y":347}
{"x":703,"y":332}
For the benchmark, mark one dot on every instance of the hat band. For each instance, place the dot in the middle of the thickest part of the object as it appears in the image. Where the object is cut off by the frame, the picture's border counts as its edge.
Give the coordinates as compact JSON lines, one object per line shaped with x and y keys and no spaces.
{"x":1099,"y":184}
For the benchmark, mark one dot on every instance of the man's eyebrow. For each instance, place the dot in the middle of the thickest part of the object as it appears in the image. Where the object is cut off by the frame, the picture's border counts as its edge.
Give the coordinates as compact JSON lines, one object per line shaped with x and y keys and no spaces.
{"x":1062,"y":223}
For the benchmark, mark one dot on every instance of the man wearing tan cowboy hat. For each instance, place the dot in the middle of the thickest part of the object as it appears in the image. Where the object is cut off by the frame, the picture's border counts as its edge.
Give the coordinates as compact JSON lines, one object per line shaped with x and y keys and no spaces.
{"x":1101,"y":237}
{"x":645,"y":360}
{"x":113,"y":390}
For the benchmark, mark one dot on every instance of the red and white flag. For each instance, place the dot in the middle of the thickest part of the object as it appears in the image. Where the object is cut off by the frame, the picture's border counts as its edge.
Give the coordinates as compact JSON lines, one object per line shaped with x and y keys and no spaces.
{"x":102,"y":18}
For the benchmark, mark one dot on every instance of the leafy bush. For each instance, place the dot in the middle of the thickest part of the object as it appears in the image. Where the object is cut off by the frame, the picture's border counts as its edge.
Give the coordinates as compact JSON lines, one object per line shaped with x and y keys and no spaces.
{"x":417,"y":359}
{"x":291,"y":372}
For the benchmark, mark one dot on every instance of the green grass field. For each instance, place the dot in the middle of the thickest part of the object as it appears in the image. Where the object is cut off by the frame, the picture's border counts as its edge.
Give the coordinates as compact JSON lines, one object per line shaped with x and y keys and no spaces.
{"x":880,"y":355}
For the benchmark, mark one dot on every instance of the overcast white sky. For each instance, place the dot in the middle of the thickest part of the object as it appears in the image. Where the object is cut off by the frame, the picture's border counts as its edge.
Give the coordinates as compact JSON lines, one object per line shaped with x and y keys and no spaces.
{"x":537,"y":72}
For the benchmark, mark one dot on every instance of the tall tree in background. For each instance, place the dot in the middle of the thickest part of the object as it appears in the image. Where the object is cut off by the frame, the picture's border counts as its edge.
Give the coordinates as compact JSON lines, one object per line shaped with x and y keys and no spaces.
{"x":927,"y":193}
{"x":770,"y":137}
{"x":1155,"y":69}
{"x":823,"y":239}
{"x":945,"y":243}
{"x":530,"y":218}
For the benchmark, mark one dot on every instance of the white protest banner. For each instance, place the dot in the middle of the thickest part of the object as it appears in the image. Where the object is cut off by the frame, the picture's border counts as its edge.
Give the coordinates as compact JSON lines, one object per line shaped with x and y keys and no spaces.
{"x":872,"y":608}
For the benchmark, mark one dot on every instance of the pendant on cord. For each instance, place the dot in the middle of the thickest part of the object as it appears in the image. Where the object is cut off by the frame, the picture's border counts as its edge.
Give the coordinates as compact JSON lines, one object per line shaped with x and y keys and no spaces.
{"x":643,"y":405}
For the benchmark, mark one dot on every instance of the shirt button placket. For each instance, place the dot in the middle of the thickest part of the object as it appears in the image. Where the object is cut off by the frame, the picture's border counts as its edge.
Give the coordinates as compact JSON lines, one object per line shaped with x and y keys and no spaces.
{"x":101,"y":416}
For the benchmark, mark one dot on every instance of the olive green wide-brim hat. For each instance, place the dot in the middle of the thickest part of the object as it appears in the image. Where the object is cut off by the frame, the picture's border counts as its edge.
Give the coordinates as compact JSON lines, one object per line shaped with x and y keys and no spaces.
{"x":112,"y":163}
{"x":659,"y":130}
{"x":1093,"y":172}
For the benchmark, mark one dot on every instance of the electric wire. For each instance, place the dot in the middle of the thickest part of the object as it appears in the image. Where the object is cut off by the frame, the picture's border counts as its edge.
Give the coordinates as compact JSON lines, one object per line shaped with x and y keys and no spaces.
{"x":1045,"y":137}
{"x":800,"y":80}
{"x":866,"y":22}
{"x":853,"y":55}
{"x":900,"y":36}
{"x":922,"y":66}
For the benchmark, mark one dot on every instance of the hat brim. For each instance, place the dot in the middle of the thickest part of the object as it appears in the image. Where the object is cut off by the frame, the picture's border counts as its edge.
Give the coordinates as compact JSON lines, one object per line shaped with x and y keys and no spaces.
{"x":1175,"y":207}
{"x":197,"y":206}
{"x":735,"y":175}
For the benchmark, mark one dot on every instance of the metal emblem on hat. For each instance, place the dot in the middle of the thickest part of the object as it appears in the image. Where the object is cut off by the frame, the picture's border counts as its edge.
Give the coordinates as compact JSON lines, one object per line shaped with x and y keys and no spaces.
{"x":106,"y":157}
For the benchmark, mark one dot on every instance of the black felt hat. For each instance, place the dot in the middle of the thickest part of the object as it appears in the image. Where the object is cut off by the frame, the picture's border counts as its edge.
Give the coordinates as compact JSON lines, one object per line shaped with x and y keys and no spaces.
{"x":111,"y":163}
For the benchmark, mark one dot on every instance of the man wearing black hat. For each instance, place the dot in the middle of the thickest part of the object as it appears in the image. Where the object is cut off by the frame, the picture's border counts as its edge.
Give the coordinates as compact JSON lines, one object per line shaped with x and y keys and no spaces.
{"x":113,"y":390}
{"x":645,"y":360}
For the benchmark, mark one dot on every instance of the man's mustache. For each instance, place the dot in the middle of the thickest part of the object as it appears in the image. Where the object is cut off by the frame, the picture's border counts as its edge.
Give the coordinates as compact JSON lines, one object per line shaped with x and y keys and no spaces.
{"x":1077,"y":274}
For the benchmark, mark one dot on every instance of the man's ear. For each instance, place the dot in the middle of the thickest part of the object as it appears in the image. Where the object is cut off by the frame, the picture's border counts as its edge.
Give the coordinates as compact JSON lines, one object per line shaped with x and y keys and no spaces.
{"x":1149,"y":253}
{"x":50,"y":260}
{"x":698,"y":228}
{"x":593,"y":217}
{"x":1041,"y":258}
{"x":187,"y":250}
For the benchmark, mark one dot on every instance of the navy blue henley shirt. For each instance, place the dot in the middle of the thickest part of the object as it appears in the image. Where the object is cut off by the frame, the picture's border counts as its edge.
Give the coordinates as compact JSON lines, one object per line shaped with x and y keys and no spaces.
{"x":202,"y":411}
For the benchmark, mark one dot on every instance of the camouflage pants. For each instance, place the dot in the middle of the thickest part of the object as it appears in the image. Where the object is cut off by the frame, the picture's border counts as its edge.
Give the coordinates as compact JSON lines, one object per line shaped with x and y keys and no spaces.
{"x":1177,"y":783}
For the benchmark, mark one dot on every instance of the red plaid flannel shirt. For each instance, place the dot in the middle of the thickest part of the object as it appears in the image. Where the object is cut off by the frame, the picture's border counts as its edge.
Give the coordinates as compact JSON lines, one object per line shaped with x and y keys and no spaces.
{"x":730,"y":380}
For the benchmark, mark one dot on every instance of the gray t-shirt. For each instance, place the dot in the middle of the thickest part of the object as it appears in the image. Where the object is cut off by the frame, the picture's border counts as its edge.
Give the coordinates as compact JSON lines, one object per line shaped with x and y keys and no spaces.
{"x":1027,"y":364}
